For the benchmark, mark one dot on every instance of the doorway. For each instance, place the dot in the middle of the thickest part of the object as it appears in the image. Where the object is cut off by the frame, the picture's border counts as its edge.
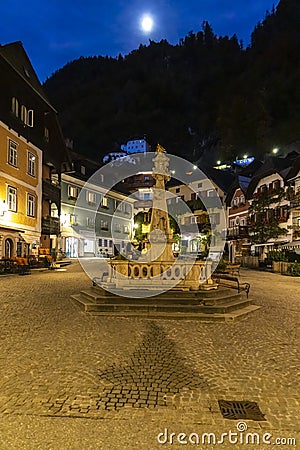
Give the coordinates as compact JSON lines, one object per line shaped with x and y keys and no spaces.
{"x":8,"y":248}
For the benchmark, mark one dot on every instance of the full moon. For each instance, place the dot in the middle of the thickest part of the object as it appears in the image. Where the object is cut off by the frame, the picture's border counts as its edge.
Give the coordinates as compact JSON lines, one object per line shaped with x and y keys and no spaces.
{"x":147,"y":24}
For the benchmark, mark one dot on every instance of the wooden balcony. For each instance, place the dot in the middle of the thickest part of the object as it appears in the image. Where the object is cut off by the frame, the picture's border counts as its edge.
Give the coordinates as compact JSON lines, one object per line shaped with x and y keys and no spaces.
{"x":237,"y":232}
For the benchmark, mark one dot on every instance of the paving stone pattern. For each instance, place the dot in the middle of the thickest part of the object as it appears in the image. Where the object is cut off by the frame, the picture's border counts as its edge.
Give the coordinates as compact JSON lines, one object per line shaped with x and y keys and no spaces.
{"x":155,"y":371}
{"x":60,"y":368}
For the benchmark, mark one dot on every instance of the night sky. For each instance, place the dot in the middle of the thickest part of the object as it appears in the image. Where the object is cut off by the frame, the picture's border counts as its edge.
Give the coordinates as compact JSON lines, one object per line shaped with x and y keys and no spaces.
{"x":55,"y":32}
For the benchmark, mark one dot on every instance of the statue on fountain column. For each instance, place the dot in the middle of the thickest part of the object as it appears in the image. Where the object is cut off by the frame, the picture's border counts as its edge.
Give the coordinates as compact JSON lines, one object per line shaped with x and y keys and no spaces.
{"x":160,"y":234}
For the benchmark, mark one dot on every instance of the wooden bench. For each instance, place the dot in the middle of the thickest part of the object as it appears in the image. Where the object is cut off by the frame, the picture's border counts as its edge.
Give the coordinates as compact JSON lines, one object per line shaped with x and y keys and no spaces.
{"x":230,"y":281}
{"x":233,"y":268}
{"x":23,"y":266}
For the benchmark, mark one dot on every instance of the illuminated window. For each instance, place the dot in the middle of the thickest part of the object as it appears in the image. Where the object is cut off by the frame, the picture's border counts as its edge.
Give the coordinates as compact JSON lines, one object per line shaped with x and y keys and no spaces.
{"x":91,"y":197}
{"x":15,"y":106}
{"x":30,"y":205}
{"x":104,"y":202}
{"x":12,"y":153}
{"x":31,"y":164}
{"x":12,"y":198}
{"x":72,"y":191}
{"x":23,"y":114}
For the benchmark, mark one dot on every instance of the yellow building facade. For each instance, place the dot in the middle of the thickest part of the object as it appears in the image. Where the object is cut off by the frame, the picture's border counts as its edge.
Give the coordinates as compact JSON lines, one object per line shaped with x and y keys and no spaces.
{"x":20,"y":194}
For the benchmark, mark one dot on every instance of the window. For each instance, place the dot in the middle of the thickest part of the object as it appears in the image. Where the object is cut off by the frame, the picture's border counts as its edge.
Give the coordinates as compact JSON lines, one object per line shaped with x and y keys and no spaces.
{"x":12,"y":198}
{"x":211,"y":193}
{"x":125,"y":229}
{"x":46,"y":134}
{"x":15,"y":106}
{"x":30,"y":205}
{"x":177,"y":190}
{"x":110,"y":244}
{"x":90,"y":221}
{"x":104,"y":202}
{"x":105,"y":243}
{"x":146,"y":178}
{"x":199,"y":185}
{"x":100,"y":242}
{"x":12,"y":153}
{"x":82,"y":170}
{"x":73,"y":219}
{"x":23,"y":114}
{"x":29,"y":118}
{"x":91,"y":197}
{"x":118,"y":228}
{"x":72,"y":191}
{"x":31,"y":164}
{"x":147,"y":196}
{"x":104,"y":225}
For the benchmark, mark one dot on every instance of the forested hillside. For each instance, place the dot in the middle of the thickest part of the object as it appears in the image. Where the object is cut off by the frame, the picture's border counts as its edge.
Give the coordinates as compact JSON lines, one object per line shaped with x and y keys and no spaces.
{"x":207,"y":93}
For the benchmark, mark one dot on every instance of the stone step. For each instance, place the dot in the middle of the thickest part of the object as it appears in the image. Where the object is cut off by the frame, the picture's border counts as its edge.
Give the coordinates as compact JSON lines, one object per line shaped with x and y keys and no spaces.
{"x":242,"y":310}
{"x":127,"y":305}
{"x":103,"y":297}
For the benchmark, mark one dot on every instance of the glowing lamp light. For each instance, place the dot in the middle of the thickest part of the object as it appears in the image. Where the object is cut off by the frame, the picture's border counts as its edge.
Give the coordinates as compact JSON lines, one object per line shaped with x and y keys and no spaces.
{"x":194,"y":167}
{"x":275,"y":150}
{"x":245,"y":156}
{"x":135,"y":226}
{"x":3,"y":207}
{"x":218,"y":162}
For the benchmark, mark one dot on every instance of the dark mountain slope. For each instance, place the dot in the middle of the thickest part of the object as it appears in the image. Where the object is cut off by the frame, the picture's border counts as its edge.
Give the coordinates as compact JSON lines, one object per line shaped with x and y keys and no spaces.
{"x":205,"y":94}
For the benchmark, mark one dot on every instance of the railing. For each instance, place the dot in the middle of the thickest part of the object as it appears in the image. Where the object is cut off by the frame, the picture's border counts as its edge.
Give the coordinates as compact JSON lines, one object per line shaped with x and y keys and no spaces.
{"x":239,"y":231}
{"x":156,"y":274}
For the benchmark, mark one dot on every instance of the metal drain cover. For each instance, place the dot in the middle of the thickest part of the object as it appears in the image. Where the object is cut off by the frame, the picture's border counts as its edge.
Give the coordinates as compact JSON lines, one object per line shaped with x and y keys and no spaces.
{"x":240,"y":410}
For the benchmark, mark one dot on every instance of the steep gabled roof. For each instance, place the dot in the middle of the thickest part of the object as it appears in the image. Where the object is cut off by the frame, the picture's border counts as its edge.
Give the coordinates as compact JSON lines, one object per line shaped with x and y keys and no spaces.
{"x":240,"y":182}
{"x":222,"y":178}
{"x":17,"y":58}
{"x":272,"y":165}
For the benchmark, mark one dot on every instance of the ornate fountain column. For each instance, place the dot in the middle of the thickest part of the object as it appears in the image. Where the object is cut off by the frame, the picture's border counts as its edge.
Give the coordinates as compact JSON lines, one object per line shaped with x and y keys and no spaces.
{"x":160,"y":234}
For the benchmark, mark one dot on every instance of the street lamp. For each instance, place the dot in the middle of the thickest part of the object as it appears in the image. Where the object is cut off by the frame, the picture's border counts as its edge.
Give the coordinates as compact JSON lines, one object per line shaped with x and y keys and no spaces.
{"x":275,"y":150}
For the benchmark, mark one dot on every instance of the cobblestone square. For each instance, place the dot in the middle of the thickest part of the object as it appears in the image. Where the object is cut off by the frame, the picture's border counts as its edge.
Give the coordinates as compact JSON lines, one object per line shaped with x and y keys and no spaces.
{"x":70,"y":380}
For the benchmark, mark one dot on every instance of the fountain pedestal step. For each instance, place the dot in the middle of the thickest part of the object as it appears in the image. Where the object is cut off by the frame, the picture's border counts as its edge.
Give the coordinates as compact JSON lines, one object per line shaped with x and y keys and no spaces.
{"x":221,"y":304}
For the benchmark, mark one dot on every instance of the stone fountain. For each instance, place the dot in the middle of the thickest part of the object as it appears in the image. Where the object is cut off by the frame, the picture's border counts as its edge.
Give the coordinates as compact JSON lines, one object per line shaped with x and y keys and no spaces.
{"x":157,"y":284}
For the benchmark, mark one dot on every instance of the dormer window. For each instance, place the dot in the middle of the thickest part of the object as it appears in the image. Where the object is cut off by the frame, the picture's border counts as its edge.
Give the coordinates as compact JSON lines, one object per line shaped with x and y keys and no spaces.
{"x":29,"y":120}
{"x":15,"y":106}
{"x":27,"y":116}
{"x":23,"y":114}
